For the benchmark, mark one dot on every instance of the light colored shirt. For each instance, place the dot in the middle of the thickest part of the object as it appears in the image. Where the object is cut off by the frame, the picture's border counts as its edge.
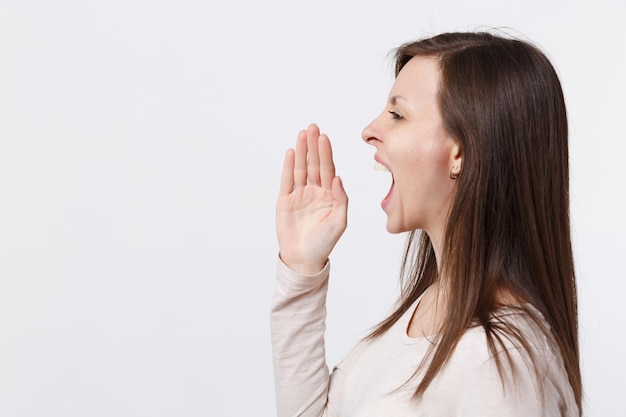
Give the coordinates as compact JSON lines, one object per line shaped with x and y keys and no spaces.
{"x":377,"y":378}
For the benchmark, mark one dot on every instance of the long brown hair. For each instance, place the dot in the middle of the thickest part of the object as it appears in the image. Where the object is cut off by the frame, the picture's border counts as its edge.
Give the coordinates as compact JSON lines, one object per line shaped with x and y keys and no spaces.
{"x":508,"y":228}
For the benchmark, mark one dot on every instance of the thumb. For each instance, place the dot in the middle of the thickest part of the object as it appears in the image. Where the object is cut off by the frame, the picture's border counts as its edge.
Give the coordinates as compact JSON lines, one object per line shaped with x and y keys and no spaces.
{"x":338,"y":192}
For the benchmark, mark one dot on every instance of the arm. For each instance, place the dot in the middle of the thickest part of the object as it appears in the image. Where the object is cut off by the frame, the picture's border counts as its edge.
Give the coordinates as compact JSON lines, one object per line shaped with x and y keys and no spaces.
{"x":298,"y":323}
{"x":310,"y":217}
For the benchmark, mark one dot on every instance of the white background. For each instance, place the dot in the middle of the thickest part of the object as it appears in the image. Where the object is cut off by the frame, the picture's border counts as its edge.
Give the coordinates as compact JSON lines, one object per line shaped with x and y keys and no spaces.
{"x":140,"y":151}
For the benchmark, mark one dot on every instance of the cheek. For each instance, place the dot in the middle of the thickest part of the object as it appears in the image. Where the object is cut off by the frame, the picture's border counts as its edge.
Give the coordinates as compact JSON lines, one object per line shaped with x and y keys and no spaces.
{"x":442,"y":155}
{"x":428,"y":163}
{"x":424,"y":158}
{"x":425,"y":177}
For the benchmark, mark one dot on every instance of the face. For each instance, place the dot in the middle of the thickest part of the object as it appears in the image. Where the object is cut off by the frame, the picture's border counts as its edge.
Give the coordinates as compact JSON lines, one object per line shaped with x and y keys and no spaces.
{"x":412,"y":144}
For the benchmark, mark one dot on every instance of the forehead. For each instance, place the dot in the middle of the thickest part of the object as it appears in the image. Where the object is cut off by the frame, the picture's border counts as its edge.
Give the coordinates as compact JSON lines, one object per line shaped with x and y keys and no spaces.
{"x":418,"y":79}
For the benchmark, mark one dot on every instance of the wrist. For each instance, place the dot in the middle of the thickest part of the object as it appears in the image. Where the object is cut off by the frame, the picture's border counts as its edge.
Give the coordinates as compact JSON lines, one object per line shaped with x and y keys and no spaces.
{"x":304,"y":268}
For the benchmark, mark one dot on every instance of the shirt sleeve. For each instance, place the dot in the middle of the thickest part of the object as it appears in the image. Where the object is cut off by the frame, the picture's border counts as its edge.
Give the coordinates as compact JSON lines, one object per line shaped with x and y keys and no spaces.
{"x":304,"y":386}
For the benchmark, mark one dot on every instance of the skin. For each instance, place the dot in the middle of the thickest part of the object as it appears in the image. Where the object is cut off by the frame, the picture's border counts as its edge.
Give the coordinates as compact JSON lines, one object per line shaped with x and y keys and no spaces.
{"x":311,"y":213}
{"x":411,"y":142}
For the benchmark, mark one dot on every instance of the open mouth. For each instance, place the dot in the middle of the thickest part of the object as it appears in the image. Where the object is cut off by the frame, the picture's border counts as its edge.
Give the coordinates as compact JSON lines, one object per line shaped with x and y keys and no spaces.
{"x":379,"y":166}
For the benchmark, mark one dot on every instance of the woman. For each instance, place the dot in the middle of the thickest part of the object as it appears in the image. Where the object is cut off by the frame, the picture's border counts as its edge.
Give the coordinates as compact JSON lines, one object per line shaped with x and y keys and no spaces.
{"x":474,"y":134}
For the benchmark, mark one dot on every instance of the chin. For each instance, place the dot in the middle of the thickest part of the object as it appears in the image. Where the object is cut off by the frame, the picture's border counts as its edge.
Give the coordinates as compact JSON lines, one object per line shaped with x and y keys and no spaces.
{"x":395,"y":229}
{"x":402,"y":226}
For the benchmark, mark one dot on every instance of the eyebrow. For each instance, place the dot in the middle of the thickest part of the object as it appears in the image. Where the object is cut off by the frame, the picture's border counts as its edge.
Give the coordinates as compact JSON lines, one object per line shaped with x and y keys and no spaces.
{"x":394,"y":99}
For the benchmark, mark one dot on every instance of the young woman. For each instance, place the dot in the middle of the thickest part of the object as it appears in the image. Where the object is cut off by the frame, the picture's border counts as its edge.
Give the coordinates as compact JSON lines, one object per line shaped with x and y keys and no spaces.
{"x":474,"y":134}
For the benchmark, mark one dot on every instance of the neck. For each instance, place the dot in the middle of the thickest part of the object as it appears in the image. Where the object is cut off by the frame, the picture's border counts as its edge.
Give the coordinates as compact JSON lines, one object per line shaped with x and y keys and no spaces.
{"x":436,"y":240}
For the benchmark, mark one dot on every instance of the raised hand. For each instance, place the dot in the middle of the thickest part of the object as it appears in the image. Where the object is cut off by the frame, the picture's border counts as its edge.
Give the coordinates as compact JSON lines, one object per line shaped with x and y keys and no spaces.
{"x":311,"y":213}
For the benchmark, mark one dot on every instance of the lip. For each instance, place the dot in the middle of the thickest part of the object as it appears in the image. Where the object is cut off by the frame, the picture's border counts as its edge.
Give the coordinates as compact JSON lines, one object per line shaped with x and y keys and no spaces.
{"x":387,"y":198}
{"x":381,"y":161}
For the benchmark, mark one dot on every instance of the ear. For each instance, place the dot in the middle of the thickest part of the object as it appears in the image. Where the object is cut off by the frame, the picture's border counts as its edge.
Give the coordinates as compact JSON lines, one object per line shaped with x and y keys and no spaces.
{"x":456,"y":159}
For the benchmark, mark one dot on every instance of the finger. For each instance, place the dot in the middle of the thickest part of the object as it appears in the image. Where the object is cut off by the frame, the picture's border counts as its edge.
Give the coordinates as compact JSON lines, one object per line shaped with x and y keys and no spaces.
{"x":299,"y":171}
{"x":338,"y":192}
{"x":286,"y":179}
{"x":340,"y":202}
{"x":327,"y":166}
{"x":313,"y":167}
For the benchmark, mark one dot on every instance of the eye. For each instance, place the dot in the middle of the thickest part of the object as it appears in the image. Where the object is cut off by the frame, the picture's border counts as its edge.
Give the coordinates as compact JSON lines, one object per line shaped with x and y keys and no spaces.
{"x":394,"y":115}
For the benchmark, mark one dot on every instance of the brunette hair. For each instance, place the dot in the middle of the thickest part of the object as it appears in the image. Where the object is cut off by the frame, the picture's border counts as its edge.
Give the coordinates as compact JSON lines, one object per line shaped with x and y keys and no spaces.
{"x":508,"y":227}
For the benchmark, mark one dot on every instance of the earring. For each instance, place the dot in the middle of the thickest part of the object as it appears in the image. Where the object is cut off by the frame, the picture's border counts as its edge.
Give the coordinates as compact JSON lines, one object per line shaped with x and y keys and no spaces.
{"x":454,"y":172}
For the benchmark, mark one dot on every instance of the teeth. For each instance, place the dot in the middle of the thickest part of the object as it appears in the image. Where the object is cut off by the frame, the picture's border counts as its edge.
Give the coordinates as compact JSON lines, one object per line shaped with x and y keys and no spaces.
{"x":380,"y":167}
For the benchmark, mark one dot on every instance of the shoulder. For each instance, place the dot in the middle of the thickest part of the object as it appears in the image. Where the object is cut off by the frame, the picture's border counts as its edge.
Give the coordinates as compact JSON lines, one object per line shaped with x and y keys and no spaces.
{"x":514,"y":372}
{"x":514,"y":341}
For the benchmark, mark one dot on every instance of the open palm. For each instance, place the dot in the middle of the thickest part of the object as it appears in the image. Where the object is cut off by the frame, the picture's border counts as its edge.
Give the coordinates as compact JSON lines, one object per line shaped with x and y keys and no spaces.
{"x":311,"y":213}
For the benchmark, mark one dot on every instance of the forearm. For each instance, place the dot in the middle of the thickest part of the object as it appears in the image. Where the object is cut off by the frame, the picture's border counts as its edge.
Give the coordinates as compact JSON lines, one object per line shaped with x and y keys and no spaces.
{"x":298,"y":317}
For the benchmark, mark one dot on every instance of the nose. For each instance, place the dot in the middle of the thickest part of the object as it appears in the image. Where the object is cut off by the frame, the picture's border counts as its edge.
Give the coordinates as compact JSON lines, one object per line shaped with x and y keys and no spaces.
{"x":370,"y":133}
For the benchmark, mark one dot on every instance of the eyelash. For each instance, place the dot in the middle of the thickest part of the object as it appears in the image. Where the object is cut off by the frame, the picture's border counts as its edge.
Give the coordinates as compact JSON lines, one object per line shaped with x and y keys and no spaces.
{"x":394,"y":115}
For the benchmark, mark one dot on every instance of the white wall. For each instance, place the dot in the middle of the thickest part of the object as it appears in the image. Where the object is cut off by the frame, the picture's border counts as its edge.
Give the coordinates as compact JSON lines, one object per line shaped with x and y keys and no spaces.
{"x":140,"y":150}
